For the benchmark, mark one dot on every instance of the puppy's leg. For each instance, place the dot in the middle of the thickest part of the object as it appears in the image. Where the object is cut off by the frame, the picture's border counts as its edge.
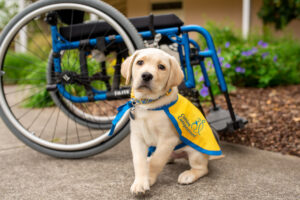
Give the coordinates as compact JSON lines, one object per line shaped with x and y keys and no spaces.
{"x":198,"y":163}
{"x":139,"y":153}
{"x":160,"y":157}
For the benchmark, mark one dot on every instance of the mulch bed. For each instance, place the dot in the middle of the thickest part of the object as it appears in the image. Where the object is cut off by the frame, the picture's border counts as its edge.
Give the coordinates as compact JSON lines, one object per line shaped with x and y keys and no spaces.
{"x":273,"y":116}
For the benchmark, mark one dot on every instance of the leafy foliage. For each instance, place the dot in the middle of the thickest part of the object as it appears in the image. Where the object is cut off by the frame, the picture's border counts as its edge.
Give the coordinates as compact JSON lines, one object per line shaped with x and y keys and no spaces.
{"x":253,"y":63}
{"x":7,"y":10}
{"x":29,"y":71}
{"x":279,"y":12}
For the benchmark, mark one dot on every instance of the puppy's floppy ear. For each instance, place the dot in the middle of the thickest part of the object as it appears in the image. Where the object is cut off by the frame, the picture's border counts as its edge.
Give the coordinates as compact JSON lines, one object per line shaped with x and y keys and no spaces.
{"x":126,"y":67}
{"x":176,"y":75}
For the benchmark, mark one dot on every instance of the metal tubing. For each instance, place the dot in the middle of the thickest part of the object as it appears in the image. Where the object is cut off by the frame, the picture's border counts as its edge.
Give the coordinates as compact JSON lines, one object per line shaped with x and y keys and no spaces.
{"x":230,"y":108}
{"x":190,"y":82}
{"x":179,"y":49}
{"x":209,"y":53}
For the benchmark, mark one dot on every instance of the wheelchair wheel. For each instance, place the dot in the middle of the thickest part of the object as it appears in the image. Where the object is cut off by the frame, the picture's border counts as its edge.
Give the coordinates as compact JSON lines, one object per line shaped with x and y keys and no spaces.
{"x":44,"y":119}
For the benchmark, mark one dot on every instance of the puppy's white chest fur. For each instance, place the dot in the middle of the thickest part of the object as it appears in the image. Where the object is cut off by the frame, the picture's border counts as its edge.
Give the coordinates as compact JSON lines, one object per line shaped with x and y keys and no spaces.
{"x":151,"y":125}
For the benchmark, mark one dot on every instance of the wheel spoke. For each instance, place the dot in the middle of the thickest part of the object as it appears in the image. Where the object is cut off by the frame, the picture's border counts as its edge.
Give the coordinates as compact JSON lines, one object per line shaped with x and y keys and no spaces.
{"x":36,"y":117}
{"x":24,"y":99}
{"x":32,"y":53}
{"x":66,"y":139}
{"x":23,"y":89}
{"x":50,"y":46}
{"x":38,"y":46}
{"x":44,"y":127}
{"x":29,"y":110}
{"x":55,"y":126}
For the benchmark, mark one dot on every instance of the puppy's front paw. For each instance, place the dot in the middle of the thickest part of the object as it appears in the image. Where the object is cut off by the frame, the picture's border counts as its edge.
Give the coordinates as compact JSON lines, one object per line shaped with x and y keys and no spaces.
{"x":140,"y":186}
{"x":190,"y":176}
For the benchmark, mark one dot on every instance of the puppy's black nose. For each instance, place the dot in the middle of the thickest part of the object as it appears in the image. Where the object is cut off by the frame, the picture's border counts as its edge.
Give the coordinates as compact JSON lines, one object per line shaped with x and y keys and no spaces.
{"x":147,"y":76}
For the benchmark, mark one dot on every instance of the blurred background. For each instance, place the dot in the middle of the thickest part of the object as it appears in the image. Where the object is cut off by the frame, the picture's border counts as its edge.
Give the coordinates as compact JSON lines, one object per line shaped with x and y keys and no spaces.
{"x":235,"y":13}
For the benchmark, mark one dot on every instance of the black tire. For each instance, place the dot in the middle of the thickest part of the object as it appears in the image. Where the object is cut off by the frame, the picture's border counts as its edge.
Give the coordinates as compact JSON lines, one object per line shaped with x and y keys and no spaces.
{"x":6,"y":110}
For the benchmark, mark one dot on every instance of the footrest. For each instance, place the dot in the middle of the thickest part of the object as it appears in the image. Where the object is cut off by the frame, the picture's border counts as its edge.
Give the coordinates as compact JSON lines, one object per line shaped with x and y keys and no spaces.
{"x":220,"y":120}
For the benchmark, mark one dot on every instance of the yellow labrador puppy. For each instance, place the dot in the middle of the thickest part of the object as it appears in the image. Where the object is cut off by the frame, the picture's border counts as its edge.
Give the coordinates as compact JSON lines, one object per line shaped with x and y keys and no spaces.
{"x":153,"y":73}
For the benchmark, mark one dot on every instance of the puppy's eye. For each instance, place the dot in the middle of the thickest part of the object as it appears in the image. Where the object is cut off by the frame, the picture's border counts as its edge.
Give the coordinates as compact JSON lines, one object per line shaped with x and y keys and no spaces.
{"x":161,"y":67}
{"x":140,"y":62}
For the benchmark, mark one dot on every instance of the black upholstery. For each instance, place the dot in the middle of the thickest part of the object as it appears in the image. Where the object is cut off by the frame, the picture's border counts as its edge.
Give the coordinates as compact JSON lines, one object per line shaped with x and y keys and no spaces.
{"x":70,"y":16}
{"x":100,"y":28}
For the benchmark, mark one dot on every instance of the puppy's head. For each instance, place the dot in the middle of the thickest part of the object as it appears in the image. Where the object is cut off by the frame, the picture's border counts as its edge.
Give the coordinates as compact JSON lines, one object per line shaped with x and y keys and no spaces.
{"x":151,"y":71}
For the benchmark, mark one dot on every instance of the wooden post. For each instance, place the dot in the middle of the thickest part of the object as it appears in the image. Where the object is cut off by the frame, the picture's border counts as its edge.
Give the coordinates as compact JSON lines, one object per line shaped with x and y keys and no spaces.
{"x":246,"y":18}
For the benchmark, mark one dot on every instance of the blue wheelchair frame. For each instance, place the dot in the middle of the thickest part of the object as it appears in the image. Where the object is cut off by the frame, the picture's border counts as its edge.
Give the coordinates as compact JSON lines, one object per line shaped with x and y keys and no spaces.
{"x":59,"y":44}
{"x":177,"y":35}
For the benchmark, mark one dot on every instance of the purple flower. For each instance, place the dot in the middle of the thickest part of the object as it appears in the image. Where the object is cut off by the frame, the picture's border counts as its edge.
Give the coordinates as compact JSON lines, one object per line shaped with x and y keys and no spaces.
{"x":264,"y":54}
{"x":210,"y":64}
{"x":253,"y":50}
{"x":245,"y":53}
{"x":227,"y":44}
{"x":219,"y":50}
{"x":220,"y":60}
{"x":227,"y":65}
{"x":204,"y":91}
{"x":201,"y":79}
{"x":275,"y":58}
{"x":240,"y":69}
{"x":249,"y":52}
{"x":262,"y":44}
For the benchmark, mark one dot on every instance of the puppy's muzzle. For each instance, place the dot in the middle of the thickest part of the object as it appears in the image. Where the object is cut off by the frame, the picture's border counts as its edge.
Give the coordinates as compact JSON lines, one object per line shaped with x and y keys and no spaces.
{"x":146,"y":77}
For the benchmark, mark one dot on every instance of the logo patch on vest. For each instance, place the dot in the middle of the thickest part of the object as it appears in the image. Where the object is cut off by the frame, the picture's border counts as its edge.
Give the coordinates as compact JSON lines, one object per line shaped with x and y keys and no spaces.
{"x":193,"y":128}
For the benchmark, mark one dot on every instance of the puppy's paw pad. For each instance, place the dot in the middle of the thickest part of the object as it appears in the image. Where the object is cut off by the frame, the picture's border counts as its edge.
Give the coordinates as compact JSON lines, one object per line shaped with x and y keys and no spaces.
{"x":140,"y":187}
{"x":187,"y":177}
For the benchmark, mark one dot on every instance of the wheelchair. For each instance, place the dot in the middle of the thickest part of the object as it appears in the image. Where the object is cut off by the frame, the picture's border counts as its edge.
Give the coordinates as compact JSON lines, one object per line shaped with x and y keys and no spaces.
{"x":70,"y":67}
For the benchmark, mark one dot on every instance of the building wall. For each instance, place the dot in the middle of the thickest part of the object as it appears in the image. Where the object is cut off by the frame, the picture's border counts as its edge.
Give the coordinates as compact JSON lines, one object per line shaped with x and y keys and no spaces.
{"x":136,"y":8}
{"x":226,"y":12}
{"x":220,"y":11}
{"x":118,"y":4}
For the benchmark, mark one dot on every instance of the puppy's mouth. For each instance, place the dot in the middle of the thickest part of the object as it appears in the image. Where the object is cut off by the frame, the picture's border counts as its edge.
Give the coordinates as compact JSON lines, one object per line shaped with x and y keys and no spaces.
{"x":144,"y":86}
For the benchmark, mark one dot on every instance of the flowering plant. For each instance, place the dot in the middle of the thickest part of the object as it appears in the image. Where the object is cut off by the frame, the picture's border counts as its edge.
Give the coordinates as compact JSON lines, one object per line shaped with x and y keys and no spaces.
{"x":254,"y":63}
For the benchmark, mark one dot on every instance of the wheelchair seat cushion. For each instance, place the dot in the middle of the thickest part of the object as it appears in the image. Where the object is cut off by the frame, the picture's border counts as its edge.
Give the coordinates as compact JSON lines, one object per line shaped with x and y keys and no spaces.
{"x":100,"y":28}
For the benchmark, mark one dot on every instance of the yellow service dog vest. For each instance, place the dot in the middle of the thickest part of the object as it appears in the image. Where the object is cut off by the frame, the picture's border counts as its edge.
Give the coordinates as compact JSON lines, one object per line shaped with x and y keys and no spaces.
{"x":189,"y":122}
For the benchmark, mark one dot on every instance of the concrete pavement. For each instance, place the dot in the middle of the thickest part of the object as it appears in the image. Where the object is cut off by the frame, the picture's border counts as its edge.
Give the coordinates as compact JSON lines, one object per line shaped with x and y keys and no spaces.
{"x":245,"y":173}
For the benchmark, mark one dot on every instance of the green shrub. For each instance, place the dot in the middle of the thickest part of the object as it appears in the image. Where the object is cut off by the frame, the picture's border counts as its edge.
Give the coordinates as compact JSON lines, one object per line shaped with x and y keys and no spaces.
{"x":7,"y":11}
{"x":279,"y":12}
{"x":20,"y":65}
{"x":253,"y":63}
{"x":26,"y":69}
{"x":39,"y":99}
